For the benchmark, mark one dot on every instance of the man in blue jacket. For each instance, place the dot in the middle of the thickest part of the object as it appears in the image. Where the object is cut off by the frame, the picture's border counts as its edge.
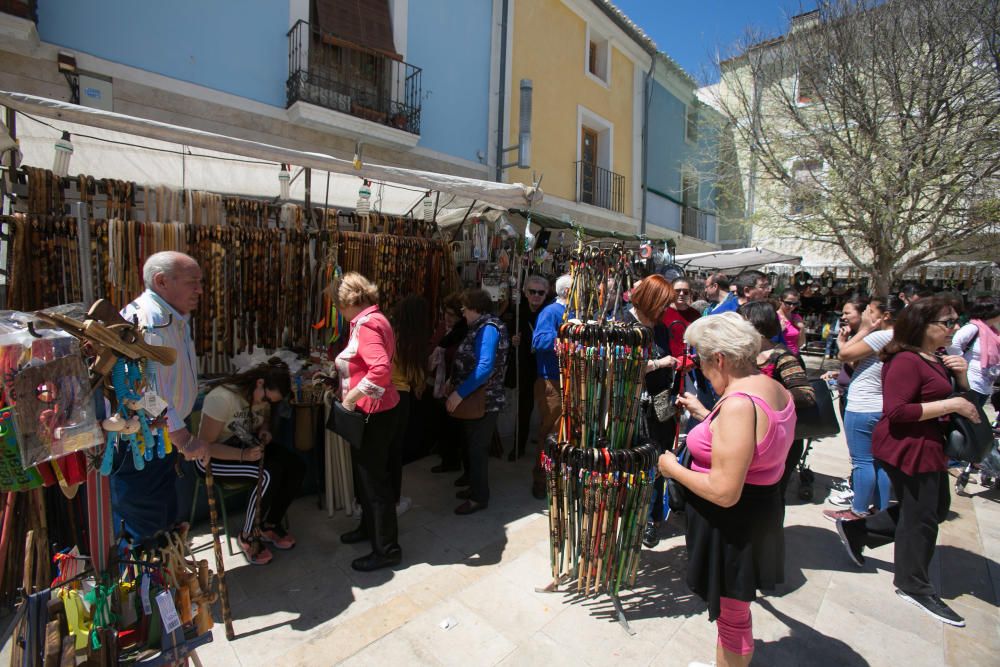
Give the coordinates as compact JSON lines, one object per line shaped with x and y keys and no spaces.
{"x":548,"y":396}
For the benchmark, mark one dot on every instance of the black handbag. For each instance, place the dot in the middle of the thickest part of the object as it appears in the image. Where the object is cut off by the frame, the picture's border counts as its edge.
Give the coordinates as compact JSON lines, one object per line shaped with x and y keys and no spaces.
{"x":677,"y":494}
{"x":348,"y":424}
{"x":965,"y":440}
{"x":818,"y":420}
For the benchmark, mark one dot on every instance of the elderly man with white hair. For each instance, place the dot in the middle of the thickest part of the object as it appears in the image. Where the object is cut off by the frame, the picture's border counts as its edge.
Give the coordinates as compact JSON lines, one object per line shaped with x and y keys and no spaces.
{"x":146,"y":500}
{"x":536,"y":292}
{"x":548,"y":398}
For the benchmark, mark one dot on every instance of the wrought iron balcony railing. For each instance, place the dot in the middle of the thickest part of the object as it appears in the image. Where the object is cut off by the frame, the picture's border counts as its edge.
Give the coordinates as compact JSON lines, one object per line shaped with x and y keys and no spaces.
{"x":694,"y":223}
{"x":335,"y":74}
{"x":599,"y":186}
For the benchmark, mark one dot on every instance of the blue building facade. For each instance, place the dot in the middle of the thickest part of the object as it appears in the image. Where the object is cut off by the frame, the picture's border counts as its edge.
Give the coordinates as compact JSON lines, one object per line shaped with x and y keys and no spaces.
{"x":451,"y":41}
{"x":244,"y":48}
{"x":233,"y":46}
{"x":681,"y":162}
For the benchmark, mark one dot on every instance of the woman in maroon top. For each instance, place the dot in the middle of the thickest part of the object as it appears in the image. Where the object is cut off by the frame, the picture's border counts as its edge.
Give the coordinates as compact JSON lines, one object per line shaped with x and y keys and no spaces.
{"x":909,"y":442}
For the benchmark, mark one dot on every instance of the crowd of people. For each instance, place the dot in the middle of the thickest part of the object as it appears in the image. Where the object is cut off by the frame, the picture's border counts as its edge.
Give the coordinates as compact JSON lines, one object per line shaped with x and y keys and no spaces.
{"x":725,"y":372}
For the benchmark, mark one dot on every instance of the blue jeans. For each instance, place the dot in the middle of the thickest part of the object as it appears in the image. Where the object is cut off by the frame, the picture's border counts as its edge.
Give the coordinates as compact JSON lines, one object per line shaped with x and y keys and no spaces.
{"x":870,"y":481}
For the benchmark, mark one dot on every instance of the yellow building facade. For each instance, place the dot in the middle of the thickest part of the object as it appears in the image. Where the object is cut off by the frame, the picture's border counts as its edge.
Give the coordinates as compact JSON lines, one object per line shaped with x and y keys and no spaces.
{"x":587,"y":77}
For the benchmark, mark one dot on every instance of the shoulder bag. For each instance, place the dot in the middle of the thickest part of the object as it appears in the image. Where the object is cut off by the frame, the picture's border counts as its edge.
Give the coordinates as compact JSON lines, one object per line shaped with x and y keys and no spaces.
{"x":348,"y":424}
{"x":472,"y":406}
{"x":965,"y":440}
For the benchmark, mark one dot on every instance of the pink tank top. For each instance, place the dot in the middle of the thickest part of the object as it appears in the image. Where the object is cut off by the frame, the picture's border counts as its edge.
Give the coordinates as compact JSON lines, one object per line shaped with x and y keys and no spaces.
{"x":768,"y":462}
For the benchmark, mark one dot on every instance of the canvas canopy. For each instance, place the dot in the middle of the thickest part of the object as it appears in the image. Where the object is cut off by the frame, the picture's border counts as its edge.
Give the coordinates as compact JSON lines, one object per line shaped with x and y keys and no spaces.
{"x":741,"y":258}
{"x":159,"y":153}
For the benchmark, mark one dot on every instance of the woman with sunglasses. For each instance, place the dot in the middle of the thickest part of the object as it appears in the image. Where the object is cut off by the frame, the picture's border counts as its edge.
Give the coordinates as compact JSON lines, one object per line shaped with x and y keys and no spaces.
{"x":234,"y":421}
{"x":909,"y":443}
{"x":793,"y":328}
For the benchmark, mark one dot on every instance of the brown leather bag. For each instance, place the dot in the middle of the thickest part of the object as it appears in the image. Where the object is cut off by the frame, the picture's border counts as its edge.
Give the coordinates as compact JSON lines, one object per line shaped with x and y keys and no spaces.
{"x":472,"y":406}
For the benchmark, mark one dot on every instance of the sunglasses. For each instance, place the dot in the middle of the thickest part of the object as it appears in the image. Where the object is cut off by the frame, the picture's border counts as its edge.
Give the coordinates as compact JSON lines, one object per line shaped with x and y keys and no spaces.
{"x":537,"y":292}
{"x":948,"y":324}
{"x":682,"y":292}
{"x":791,"y":304}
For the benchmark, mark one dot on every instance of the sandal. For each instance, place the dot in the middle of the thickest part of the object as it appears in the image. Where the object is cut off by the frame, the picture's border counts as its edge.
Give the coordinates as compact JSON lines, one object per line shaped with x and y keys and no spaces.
{"x":262,"y":557}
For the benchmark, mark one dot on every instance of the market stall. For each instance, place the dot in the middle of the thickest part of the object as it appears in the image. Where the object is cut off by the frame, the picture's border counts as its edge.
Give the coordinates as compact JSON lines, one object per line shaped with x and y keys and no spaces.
{"x":268,"y":265}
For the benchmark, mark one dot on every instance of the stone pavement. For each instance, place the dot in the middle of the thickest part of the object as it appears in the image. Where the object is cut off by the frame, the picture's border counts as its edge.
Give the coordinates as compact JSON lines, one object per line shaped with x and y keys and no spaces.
{"x":308,"y":607}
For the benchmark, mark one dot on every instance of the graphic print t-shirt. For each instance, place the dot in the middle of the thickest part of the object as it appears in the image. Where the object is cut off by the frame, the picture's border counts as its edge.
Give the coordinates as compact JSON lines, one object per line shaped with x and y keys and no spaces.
{"x":233,"y":411}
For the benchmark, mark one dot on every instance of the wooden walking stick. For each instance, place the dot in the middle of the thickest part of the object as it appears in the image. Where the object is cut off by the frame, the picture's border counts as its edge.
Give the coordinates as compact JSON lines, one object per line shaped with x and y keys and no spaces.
{"x":213,"y":518}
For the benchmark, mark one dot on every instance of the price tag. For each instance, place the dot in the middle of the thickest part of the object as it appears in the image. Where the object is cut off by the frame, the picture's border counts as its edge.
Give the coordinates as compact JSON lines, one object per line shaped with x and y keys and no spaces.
{"x":147,"y":608}
{"x":168,"y":612}
{"x":152,"y":404}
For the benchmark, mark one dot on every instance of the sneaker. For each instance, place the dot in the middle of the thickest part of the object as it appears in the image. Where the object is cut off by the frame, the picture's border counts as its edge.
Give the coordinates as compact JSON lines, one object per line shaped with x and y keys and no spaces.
{"x":841,"y":498}
{"x":842,"y":485}
{"x":262,"y":557}
{"x":277,"y":537}
{"x":934,"y":606}
{"x":404,"y":504}
{"x":846,"y":515}
{"x":853,"y":551}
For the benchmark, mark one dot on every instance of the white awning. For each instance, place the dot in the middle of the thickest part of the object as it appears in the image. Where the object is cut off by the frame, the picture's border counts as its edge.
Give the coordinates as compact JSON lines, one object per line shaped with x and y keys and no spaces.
{"x":741,"y":258}
{"x":504,"y":195}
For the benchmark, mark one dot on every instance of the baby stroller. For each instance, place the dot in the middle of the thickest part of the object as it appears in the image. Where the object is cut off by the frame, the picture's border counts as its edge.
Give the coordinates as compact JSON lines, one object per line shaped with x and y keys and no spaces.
{"x":819,"y":421}
{"x":989,"y":471}
{"x":989,"y":467}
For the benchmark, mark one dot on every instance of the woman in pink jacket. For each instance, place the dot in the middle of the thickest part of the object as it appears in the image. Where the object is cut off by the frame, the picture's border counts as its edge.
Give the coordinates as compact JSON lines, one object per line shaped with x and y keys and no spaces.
{"x":365,"y":372}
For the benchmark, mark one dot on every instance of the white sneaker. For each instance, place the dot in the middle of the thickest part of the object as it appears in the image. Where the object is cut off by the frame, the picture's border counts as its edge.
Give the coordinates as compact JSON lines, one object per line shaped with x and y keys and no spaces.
{"x":404,"y":504}
{"x":841,"y":485}
{"x":841,"y":498}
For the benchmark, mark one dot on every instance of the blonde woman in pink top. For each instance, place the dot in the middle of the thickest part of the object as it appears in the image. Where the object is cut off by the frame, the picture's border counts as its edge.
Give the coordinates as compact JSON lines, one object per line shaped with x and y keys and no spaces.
{"x":734,"y":508}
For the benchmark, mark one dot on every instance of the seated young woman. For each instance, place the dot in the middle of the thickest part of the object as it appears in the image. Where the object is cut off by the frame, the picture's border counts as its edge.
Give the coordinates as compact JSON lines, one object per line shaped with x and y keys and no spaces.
{"x":234,"y":421}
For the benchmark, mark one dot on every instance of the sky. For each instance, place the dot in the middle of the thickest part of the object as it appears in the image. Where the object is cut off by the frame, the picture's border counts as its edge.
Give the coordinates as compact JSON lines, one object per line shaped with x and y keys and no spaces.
{"x":692,"y":31}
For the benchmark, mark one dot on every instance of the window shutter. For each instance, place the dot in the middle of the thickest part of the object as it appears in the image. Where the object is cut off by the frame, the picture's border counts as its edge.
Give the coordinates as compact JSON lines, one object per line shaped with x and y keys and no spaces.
{"x":366,"y":23}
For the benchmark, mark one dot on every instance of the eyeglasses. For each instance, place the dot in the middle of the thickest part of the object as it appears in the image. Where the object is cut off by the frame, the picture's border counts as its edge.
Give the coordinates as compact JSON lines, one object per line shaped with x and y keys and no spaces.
{"x":950,"y":323}
{"x":682,"y":292}
{"x":791,"y":304}
{"x":537,"y":292}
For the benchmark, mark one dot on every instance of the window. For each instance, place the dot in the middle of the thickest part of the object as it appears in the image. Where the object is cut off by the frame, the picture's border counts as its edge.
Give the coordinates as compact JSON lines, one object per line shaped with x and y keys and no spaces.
{"x":691,"y":124}
{"x":598,"y":60}
{"x":806,"y":93}
{"x":804,"y":195}
{"x":692,"y":220}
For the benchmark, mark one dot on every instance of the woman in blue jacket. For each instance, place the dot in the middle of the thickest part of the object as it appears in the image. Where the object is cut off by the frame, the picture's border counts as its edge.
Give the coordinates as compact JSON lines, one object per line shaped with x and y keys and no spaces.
{"x":479,"y":364}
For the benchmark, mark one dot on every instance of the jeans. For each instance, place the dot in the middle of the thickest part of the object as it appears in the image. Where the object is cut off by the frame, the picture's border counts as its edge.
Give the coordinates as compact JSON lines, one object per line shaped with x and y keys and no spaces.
{"x":868,"y":477}
{"x":832,"y":347}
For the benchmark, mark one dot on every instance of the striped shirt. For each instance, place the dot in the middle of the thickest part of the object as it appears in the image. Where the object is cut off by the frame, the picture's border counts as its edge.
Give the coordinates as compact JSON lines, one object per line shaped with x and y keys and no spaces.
{"x":177,"y":384}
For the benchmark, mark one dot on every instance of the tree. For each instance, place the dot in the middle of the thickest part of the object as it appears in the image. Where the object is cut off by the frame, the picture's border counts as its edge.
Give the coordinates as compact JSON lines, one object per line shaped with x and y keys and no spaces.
{"x":873,"y":126}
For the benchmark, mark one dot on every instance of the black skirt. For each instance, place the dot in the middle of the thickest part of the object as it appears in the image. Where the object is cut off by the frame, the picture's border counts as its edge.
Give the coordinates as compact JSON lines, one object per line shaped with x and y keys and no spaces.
{"x":734,"y":552}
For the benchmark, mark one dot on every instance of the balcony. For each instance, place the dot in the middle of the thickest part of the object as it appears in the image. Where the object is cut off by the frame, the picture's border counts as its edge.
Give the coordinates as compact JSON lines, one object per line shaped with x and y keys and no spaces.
{"x":25,"y":9}
{"x":694,"y":223}
{"x":599,"y":186}
{"x":328,"y":72}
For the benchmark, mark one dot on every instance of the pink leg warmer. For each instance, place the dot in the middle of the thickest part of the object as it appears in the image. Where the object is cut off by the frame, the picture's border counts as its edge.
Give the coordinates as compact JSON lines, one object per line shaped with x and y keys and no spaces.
{"x":735,"y":626}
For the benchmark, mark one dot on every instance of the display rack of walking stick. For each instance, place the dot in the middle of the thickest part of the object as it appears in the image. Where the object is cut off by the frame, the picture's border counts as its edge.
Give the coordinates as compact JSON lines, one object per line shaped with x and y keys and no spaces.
{"x":599,"y":476}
